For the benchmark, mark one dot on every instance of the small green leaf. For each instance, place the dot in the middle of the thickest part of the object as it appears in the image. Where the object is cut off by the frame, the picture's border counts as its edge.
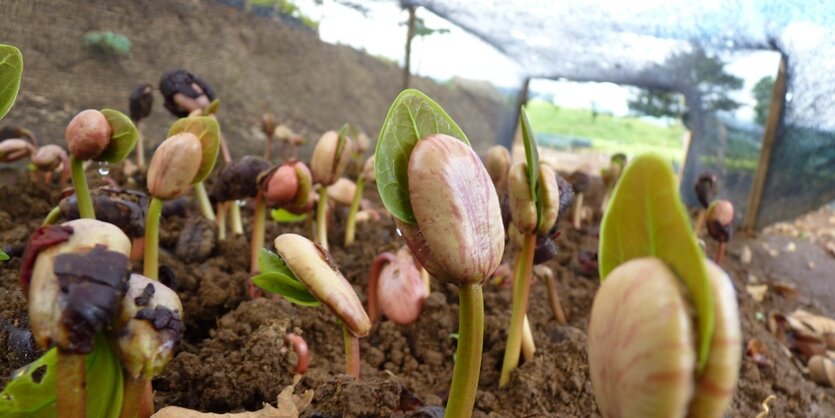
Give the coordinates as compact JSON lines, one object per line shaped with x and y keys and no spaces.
{"x":123,"y":139}
{"x":277,"y":278}
{"x":532,"y":161}
{"x":11,"y":69}
{"x":290,"y":289}
{"x":3,"y":256}
{"x":412,"y":116}
{"x":207,"y":130}
{"x":31,"y":392}
{"x":646,"y":218}
{"x":284,"y":216}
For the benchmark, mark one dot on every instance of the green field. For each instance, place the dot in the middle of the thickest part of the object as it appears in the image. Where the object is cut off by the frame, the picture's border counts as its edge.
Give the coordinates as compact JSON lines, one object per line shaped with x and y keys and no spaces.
{"x":608,"y":134}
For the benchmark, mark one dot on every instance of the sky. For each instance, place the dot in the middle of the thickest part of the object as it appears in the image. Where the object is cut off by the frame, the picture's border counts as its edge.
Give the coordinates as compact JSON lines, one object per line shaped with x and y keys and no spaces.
{"x":382,"y":33}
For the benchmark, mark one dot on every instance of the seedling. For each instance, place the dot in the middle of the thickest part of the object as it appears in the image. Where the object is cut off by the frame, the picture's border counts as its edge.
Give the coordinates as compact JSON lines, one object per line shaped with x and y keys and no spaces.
{"x":49,"y":158}
{"x":304,"y":273}
{"x":367,"y":174}
{"x":534,"y":205}
{"x":447,"y":211}
{"x":106,"y":136}
{"x":720,"y":219}
{"x":610,"y":177}
{"x":14,"y":149}
{"x":330,"y":157}
{"x":182,"y":160}
{"x":288,"y":139}
{"x":141,"y":102}
{"x":396,"y":287}
{"x":75,"y":276}
{"x":268,"y":125}
{"x":498,"y":164}
{"x":579,"y":183}
{"x":301,"y":349}
{"x":150,"y":328}
{"x":239,"y":180}
{"x":186,"y":94}
{"x":706,"y":190}
{"x":651,"y":266}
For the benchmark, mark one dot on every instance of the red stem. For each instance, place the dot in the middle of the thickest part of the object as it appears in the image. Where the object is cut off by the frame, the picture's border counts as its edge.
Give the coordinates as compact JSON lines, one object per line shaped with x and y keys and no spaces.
{"x":720,"y":252}
{"x":352,"y":353}
{"x":373,"y":279}
{"x":302,"y":351}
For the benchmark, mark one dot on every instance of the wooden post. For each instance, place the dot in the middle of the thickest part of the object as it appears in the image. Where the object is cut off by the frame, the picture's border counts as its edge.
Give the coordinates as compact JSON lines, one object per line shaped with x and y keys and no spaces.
{"x":410,"y":34}
{"x":775,"y":111}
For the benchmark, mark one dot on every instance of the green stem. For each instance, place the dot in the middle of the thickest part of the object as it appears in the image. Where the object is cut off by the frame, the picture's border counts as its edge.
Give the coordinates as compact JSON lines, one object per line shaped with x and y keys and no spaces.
{"x":134,"y":399}
{"x":235,"y":215}
{"x":258,"y":225}
{"x":151,"y":266}
{"x":351,"y":225}
{"x":82,"y":191}
{"x":468,"y":356}
{"x":71,"y":399}
{"x":352,"y":353}
{"x":521,"y":289}
{"x":52,"y":216}
{"x":203,"y":201}
{"x":321,"y":218}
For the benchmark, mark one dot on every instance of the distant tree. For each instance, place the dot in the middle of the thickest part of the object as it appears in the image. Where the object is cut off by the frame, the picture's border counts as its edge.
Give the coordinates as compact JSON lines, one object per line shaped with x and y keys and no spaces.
{"x":762,"y":94}
{"x":696,"y":68}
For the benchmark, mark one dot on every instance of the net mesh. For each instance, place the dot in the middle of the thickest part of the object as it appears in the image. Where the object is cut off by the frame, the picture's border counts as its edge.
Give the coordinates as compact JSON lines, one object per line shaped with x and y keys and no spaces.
{"x":643,"y":45}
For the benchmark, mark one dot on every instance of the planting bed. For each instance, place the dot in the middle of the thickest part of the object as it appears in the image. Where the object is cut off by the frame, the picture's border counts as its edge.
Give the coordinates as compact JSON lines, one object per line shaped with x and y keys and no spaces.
{"x":234,"y":357}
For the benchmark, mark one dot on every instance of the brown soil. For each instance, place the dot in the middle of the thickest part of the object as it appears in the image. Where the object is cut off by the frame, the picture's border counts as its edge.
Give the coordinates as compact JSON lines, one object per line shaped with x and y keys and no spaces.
{"x":234,"y":357}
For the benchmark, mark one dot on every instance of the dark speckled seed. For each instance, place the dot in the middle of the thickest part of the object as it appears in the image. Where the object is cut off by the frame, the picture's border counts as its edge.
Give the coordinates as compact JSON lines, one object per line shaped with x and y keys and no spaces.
{"x":92,"y":284}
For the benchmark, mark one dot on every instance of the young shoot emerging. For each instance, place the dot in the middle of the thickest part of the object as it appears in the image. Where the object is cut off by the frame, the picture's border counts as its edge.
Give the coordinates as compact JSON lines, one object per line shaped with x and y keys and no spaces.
{"x":720,"y":219}
{"x":534,"y":197}
{"x":49,"y":158}
{"x":664,"y":335}
{"x":610,"y":177}
{"x":396,"y":287}
{"x":706,"y":190}
{"x":305,"y":274}
{"x":106,"y":136}
{"x":579,"y":183}
{"x":184,"y":159}
{"x":141,"y":101}
{"x":74,"y":276}
{"x":268,"y":125}
{"x":330,"y":157}
{"x":449,"y":216}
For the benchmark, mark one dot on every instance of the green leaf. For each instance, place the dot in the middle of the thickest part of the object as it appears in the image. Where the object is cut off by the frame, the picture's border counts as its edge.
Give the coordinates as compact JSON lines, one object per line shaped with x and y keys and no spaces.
{"x":412,"y":116}
{"x":646,"y":218}
{"x":289,"y":289}
{"x":207,"y":130}
{"x":277,"y":278}
{"x":532,"y":161}
{"x":11,"y":69}
{"x":123,"y":139}
{"x":3,"y":256}
{"x":28,"y":396}
{"x":284,"y":216}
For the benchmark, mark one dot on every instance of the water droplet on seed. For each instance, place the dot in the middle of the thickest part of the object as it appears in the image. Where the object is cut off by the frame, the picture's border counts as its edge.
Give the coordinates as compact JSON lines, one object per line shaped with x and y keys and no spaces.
{"x":104,"y":168}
